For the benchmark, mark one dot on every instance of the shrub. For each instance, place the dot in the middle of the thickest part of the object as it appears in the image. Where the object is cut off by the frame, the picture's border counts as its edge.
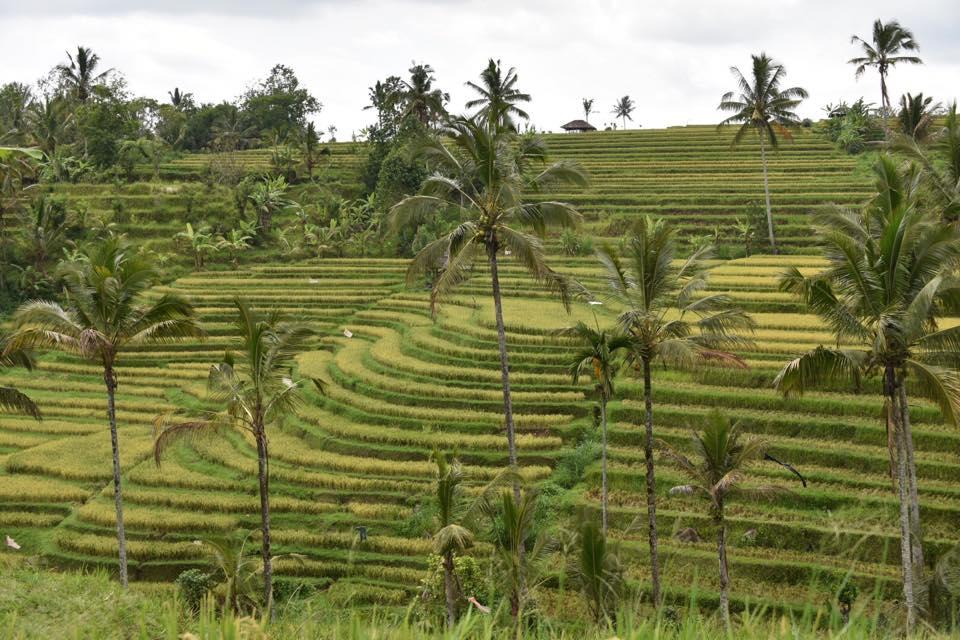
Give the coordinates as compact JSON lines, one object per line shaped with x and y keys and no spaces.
{"x":193,"y":585}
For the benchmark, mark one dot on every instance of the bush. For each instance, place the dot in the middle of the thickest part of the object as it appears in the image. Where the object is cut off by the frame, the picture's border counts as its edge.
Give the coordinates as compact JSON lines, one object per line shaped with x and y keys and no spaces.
{"x":193,"y":585}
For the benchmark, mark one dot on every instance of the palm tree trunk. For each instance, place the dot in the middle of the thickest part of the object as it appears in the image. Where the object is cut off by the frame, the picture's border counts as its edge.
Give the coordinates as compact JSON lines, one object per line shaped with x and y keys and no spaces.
{"x":724,"y":570}
{"x":651,"y":484}
{"x":504,"y":368}
{"x":906,"y":556}
{"x":450,"y":589}
{"x":263,"y":473}
{"x":110,"y":379}
{"x":766,"y":194}
{"x":916,"y":537}
{"x":603,"y":463}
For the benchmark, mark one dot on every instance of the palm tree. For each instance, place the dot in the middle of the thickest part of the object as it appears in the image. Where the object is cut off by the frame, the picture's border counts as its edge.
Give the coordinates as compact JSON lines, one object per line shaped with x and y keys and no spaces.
{"x":199,"y":242}
{"x":258,"y":393}
{"x":180,"y":100}
{"x":452,"y":538}
{"x":598,"y":572}
{"x":587,"y":108}
{"x":667,"y":320}
{"x":765,"y":108}
{"x":80,"y":75}
{"x":916,"y":115}
{"x":622,"y":109}
{"x":309,"y":142}
{"x":498,"y":97}
{"x":889,"y":41}
{"x":891,"y":277}
{"x":50,"y":123}
{"x":106,"y":311}
{"x":939,"y":160}
{"x":481,"y":175}
{"x":419,"y":97}
{"x":13,"y":400}
{"x":268,"y":197}
{"x":18,"y":166}
{"x":599,"y":358}
{"x":722,"y":458}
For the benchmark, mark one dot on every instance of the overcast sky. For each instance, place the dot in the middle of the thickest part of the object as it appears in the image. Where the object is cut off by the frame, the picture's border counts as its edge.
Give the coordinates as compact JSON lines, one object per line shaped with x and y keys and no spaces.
{"x":672,"y":57}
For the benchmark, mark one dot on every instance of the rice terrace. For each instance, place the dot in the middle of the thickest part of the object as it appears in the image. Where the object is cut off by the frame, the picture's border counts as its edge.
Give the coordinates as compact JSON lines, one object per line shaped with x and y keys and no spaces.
{"x":472,"y":370}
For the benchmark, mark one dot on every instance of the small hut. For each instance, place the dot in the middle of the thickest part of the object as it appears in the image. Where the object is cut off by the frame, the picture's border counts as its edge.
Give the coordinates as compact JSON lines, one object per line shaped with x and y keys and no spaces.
{"x":579,"y":126}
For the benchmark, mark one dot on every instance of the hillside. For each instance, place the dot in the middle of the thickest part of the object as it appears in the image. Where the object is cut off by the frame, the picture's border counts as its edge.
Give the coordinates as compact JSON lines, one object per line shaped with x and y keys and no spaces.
{"x":403,"y":385}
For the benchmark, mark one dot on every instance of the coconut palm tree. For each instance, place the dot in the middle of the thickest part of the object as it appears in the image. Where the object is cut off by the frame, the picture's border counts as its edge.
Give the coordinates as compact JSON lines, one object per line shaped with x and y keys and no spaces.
{"x":599,"y":358}
{"x":180,"y":100}
{"x":258,"y":393}
{"x":891,"y":278}
{"x":452,"y":538}
{"x":939,"y":160}
{"x":718,"y":472}
{"x":420,"y":99}
{"x":309,"y":141}
{"x":762,"y":106}
{"x":12,"y":400}
{"x":498,"y":97}
{"x":106,"y":311}
{"x":622,"y":109}
{"x":80,"y":73}
{"x":50,"y":123}
{"x":485,"y":173}
{"x":889,"y":41}
{"x":598,"y":571}
{"x":587,"y":108}
{"x":667,"y":320}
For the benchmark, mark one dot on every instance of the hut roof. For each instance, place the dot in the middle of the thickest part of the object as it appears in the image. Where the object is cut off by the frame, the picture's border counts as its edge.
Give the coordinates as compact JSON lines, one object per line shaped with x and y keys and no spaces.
{"x":578,"y":125}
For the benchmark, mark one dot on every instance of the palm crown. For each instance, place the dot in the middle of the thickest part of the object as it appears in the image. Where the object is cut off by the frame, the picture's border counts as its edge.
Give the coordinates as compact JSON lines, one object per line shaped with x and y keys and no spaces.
{"x":498,"y":96}
{"x":759,"y":103}
{"x":888,"y":42}
{"x":480,"y":172}
{"x":81,"y":72}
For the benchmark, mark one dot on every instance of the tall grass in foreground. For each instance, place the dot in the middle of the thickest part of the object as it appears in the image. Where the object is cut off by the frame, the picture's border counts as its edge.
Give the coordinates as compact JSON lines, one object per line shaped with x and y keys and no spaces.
{"x":41,"y":604}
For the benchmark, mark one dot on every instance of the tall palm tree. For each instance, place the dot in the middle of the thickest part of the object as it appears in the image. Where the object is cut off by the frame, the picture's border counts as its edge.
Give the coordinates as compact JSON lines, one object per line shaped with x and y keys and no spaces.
{"x":426,"y":104}
{"x":12,"y":400}
{"x":891,"y":278}
{"x":80,"y":73}
{"x":668,"y":321}
{"x":485,"y":173}
{"x":309,"y":141}
{"x":498,"y":96}
{"x":718,"y":471}
{"x":764,"y":107}
{"x":106,"y":311}
{"x":600,"y":358}
{"x":622,"y":109}
{"x":587,"y":108}
{"x":259,"y":392}
{"x":889,"y":41}
{"x":939,"y":160}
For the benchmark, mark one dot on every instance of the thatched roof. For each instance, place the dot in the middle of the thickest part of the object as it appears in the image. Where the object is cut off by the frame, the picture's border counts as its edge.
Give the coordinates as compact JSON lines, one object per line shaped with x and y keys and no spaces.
{"x":578,"y":125}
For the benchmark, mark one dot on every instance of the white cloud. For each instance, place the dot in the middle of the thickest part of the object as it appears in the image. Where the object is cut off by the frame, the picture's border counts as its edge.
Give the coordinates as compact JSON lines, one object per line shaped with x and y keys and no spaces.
{"x":671,"y":57}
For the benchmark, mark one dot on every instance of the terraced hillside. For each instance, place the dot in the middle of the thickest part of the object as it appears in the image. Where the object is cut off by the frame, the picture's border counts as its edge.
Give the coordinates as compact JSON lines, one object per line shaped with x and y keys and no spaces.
{"x":403,"y":385}
{"x":689,"y":175}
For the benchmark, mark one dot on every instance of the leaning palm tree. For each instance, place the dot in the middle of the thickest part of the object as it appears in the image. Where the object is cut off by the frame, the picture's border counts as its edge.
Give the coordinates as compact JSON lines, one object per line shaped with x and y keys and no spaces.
{"x":764,"y":107}
{"x":258,"y":393}
{"x":890,"y":279}
{"x":622,"y":109}
{"x":80,"y":74}
{"x":105,"y":312}
{"x":600,"y":358}
{"x":668,"y":319}
{"x":484,"y":173}
{"x":12,"y":400}
{"x":889,"y":41}
{"x":498,"y":96}
{"x":939,"y":161}
{"x":718,"y":471}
